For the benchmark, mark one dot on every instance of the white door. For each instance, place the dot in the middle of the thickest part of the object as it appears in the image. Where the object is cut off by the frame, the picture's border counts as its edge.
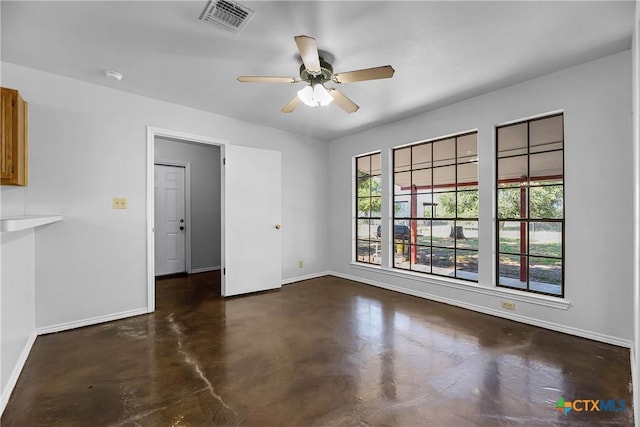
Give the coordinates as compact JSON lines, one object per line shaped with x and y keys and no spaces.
{"x":252,"y":236}
{"x":169,"y":219}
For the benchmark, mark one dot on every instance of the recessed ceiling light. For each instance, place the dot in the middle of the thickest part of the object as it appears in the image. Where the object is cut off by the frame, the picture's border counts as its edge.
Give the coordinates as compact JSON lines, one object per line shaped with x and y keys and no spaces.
{"x":113,"y":75}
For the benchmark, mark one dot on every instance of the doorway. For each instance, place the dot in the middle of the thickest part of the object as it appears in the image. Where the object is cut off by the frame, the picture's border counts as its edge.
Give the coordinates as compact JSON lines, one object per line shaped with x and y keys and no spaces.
{"x":187,"y":208}
{"x":250,"y":214}
{"x":184,"y":206}
{"x":200,"y":229}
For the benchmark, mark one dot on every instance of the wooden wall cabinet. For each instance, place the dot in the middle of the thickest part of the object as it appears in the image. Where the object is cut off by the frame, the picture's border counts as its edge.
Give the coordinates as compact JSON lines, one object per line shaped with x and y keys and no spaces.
{"x":14,"y":149}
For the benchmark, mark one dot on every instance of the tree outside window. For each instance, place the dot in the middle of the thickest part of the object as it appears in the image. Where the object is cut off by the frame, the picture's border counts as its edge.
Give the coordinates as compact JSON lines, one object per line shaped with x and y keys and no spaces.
{"x":436,"y":207}
{"x":530,"y":205}
{"x":368,"y":206}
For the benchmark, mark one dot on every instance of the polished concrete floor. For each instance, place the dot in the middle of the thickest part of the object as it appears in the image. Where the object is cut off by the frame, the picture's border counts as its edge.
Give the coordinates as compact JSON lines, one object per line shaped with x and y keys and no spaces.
{"x":323,"y":352}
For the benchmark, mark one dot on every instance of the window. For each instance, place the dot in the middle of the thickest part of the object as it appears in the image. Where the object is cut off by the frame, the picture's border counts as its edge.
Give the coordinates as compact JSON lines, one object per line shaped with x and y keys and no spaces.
{"x":435,"y":207}
{"x":368,"y":203}
{"x":530,"y":205}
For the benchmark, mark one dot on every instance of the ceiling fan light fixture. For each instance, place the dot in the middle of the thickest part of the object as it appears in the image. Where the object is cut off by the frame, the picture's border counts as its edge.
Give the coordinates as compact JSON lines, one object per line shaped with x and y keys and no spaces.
{"x":315,"y":96}
{"x":315,"y":71}
{"x":306,"y":95}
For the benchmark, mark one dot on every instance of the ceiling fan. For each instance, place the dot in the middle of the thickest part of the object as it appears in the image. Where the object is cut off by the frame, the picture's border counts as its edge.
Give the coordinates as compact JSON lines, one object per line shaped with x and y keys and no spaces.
{"x":315,"y":71}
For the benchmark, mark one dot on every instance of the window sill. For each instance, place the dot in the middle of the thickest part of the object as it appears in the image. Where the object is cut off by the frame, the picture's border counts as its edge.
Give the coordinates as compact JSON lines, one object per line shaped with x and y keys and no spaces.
{"x":547,"y":301}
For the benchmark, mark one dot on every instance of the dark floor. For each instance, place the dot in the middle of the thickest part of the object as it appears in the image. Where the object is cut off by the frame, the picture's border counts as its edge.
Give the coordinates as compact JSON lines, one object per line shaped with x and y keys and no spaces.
{"x":323,"y":352}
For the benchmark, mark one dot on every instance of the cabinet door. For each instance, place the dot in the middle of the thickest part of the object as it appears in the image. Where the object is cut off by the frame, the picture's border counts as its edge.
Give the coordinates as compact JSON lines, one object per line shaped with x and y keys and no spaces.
{"x":14,"y":151}
{"x":8,"y":102}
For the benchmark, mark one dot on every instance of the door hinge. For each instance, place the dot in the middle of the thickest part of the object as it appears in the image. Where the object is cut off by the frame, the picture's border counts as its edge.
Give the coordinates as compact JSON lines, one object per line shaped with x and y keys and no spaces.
{"x":224,"y":160}
{"x":13,"y":102}
{"x":224,"y":271}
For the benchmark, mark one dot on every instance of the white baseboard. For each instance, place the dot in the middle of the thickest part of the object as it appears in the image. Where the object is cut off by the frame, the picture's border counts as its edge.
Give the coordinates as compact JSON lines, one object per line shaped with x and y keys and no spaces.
{"x":608,"y":339}
{"x":91,"y":321}
{"x":204,"y":269}
{"x":17,"y":369}
{"x":305,"y":277}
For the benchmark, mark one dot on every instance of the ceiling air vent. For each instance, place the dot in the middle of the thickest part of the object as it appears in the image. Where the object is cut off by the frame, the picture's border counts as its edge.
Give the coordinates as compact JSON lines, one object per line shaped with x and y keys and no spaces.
{"x":229,"y":15}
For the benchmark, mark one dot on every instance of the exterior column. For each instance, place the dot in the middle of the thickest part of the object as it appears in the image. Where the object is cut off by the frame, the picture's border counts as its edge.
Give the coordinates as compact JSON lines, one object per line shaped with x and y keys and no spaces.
{"x":414,"y":225}
{"x":523,"y":229}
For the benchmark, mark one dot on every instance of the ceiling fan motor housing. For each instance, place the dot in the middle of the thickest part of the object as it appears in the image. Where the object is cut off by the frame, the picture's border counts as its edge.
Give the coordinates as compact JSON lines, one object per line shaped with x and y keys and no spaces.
{"x":326,"y":71}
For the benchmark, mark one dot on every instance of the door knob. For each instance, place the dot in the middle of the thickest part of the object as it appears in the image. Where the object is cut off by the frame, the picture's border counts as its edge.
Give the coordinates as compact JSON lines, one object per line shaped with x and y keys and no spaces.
{"x":181,"y":228}
{"x":278,"y":226}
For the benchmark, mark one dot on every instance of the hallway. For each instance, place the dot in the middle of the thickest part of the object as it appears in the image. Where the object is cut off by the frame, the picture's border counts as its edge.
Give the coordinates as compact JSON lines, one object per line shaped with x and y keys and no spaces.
{"x":322,"y":352}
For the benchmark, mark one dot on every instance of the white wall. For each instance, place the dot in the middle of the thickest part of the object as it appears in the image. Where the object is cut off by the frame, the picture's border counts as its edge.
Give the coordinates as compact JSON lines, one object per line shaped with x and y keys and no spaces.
{"x":205,"y":197}
{"x":17,"y":311}
{"x":17,"y":293}
{"x":88,"y":145}
{"x":596,"y":100}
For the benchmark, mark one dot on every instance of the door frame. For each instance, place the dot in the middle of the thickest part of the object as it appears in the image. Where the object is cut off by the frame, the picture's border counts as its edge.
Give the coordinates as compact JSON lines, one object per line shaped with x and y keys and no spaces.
{"x":187,"y":207}
{"x":152,"y":133}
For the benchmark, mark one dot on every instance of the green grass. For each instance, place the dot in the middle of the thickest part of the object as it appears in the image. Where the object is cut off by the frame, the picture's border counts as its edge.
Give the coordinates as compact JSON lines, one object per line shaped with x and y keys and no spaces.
{"x":512,"y":246}
{"x":447,"y":242}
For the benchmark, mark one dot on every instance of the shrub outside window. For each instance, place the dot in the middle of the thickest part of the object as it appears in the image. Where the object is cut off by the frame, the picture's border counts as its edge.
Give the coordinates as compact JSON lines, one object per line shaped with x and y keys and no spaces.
{"x":435,"y":207}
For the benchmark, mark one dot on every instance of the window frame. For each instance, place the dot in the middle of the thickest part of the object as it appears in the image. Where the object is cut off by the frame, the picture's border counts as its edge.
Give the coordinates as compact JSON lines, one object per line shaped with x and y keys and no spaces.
{"x":528,"y":220}
{"x":455,"y":189}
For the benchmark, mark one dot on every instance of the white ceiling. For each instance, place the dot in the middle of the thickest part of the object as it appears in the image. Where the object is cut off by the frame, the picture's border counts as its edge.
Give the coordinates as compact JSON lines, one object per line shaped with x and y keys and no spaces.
{"x":442,"y":51}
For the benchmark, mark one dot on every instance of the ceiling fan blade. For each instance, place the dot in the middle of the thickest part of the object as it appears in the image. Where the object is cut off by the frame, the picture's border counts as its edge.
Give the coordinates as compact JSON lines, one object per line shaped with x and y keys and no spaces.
{"x":343,"y":102}
{"x":309,"y":53}
{"x":265,"y":79}
{"x":383,"y":72}
{"x":291,"y":105}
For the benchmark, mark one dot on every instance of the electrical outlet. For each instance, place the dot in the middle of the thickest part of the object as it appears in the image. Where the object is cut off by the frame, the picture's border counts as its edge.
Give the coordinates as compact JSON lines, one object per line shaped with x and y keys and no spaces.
{"x":509,"y":305}
{"x":300,"y":264}
{"x":119,"y":203}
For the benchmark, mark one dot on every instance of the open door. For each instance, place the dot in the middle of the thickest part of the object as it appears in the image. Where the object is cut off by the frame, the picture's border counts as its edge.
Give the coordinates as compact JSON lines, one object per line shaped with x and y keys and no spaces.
{"x":252,"y":215}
